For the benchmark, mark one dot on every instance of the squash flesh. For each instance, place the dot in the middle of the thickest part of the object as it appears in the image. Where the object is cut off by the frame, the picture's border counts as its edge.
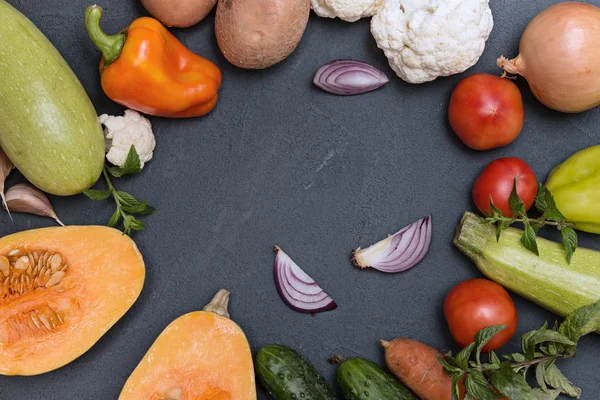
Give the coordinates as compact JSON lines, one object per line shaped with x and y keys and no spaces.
{"x":199,"y":356}
{"x":45,"y":328}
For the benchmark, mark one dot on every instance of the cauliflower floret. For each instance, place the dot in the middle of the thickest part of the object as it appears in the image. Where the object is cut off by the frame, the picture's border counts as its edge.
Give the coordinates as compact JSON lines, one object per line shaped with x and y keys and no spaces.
{"x":424,"y":39}
{"x":348,"y":10}
{"x":122,"y":132}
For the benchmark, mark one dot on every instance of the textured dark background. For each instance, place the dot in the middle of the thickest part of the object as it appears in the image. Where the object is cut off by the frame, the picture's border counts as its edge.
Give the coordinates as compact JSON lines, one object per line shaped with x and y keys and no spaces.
{"x":280,"y":162}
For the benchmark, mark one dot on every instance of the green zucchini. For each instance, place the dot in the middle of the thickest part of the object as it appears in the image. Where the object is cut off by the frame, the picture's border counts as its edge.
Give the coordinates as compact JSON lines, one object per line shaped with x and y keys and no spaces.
{"x":547,"y":280}
{"x":48,"y":126}
{"x":361,"y":379}
{"x":287,"y":376}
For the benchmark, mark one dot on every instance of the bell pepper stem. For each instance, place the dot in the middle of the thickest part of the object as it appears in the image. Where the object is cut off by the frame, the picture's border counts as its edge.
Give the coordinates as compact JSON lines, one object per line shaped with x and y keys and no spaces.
{"x":110,"y":45}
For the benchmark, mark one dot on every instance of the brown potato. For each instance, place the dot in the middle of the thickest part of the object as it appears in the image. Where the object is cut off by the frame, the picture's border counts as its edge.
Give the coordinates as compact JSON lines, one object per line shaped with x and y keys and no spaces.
{"x":179,"y":13}
{"x":256,"y":34}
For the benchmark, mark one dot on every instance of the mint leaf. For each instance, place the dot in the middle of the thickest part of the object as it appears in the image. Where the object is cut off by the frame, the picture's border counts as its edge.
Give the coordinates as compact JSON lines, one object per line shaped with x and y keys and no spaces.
{"x":569,"y":242}
{"x":540,"y":373}
{"x":132,"y":205}
{"x":537,"y":394}
{"x":130,"y":223}
{"x":547,"y":335}
{"x":132,"y":165}
{"x":516,"y":357}
{"x":509,"y":383}
{"x":456,"y":387}
{"x":555,"y":215}
{"x":449,"y":368}
{"x":484,"y":336}
{"x":462,"y":358}
{"x":544,"y":200}
{"x":557,"y":380}
{"x":495,"y":210}
{"x":114,"y":220}
{"x":97,"y":194}
{"x":528,"y":239}
{"x":500,"y":227}
{"x":494,"y":360}
{"x":478,"y":387}
{"x":515,"y":202}
{"x":581,"y":322}
{"x":528,"y":346}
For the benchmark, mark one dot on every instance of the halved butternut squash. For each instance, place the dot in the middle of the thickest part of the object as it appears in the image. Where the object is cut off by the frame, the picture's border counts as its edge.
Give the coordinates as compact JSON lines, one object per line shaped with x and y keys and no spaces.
{"x":61,"y":289}
{"x":202,"y":355}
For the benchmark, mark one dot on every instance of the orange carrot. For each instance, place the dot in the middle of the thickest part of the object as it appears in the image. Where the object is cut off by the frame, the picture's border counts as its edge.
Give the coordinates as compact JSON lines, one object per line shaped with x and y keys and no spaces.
{"x":416,"y":365}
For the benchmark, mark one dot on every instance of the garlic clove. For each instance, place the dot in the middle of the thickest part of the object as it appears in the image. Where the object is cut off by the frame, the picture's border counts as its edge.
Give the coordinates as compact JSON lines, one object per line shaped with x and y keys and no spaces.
{"x":5,"y":167}
{"x":25,"y":198}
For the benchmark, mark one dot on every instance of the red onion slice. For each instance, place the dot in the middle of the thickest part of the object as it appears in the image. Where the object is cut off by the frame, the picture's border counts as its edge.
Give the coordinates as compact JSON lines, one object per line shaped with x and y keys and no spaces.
{"x":298,"y":290}
{"x":349,"y":77}
{"x":398,"y":252}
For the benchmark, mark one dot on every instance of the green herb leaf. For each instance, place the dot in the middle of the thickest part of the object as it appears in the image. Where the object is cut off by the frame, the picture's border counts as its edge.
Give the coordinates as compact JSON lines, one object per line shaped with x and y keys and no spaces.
{"x":494,"y":360}
{"x":114,"y":220}
{"x":510,"y":383}
{"x":131,"y":223}
{"x":132,"y":165}
{"x":97,"y":194}
{"x":547,"y":335}
{"x":495,"y":210}
{"x":569,"y":242}
{"x":528,"y":346}
{"x":528,"y":240}
{"x":554,"y":215}
{"x":462,"y":358}
{"x":515,"y":202}
{"x":557,"y":380}
{"x":132,"y":205}
{"x":500,"y":226}
{"x":536,"y":225}
{"x":540,"y":372}
{"x":450,"y":369}
{"x":581,"y":322}
{"x":456,"y":387}
{"x":478,"y":387}
{"x":537,"y":394}
{"x":544,"y":200}
{"x":484,"y":336}
{"x":516,"y":357}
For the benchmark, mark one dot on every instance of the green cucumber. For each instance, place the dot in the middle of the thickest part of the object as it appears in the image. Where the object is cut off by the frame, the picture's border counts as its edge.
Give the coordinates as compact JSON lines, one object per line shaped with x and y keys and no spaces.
{"x":287,"y":376}
{"x":547,"y":280}
{"x":48,"y":126}
{"x":361,"y":379}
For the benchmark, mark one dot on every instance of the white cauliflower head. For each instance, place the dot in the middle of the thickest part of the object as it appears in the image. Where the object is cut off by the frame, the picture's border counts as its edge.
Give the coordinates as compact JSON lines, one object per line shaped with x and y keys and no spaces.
{"x":122,"y":132}
{"x":348,"y":10}
{"x":424,"y":39}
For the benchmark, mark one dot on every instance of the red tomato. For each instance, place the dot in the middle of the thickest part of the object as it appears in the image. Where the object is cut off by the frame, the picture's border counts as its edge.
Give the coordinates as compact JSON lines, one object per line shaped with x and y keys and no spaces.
{"x":486,"y":111}
{"x":476,"y":304}
{"x":497,"y":180}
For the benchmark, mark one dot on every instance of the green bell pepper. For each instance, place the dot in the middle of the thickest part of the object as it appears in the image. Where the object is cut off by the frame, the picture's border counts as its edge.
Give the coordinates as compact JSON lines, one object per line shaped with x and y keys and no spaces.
{"x":575,"y":185}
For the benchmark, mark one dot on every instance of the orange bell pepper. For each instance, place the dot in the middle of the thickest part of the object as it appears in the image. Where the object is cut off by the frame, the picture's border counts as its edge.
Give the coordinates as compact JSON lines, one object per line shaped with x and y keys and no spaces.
{"x":147,"y":69}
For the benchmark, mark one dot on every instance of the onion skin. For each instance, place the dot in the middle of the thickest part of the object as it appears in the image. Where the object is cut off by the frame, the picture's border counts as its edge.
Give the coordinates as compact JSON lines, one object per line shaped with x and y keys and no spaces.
{"x":399,"y":252}
{"x":298,"y":290}
{"x":349,"y":77}
{"x":560,"y":57}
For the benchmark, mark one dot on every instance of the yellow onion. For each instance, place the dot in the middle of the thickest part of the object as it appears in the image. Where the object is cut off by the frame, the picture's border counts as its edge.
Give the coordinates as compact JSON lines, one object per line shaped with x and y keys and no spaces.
{"x":559,"y":55}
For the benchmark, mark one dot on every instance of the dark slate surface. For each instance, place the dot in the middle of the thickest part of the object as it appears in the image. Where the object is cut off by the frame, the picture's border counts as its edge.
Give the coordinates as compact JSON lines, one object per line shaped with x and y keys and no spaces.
{"x":279,"y":162}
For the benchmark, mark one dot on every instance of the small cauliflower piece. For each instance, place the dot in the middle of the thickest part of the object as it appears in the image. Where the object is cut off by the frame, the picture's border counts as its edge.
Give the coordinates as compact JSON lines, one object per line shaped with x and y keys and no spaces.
{"x":425,"y":39}
{"x":347,"y":10}
{"x":122,"y":132}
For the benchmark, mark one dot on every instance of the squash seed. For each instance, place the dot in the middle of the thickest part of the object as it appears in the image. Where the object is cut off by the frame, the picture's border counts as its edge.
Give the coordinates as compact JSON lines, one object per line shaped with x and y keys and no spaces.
{"x":22,"y":271}
{"x":4,"y":265}
{"x":22,"y":263}
{"x":55,"y":279}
